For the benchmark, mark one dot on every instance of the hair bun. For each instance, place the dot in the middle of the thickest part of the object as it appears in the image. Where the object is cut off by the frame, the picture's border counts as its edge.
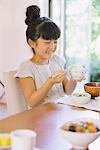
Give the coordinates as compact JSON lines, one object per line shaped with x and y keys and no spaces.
{"x":32,"y":12}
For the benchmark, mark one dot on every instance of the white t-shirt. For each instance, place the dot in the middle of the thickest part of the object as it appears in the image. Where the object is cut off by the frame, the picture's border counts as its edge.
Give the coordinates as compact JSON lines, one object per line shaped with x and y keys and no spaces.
{"x":40,"y":73}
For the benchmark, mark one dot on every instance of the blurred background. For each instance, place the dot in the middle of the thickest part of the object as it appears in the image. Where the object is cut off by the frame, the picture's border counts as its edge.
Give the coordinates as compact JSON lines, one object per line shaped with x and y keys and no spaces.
{"x":79,"y":21}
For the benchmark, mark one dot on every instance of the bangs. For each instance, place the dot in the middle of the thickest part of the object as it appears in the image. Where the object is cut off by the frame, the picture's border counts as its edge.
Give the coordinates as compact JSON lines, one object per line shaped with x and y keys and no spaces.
{"x":48,"y":30}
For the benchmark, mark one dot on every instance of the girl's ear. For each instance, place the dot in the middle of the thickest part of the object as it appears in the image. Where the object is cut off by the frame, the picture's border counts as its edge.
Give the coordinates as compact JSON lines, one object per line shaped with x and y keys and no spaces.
{"x":31,"y":43}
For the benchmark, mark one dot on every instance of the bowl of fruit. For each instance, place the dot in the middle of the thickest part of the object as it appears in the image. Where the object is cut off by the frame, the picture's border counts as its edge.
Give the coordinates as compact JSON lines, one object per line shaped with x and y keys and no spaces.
{"x":81,"y":132}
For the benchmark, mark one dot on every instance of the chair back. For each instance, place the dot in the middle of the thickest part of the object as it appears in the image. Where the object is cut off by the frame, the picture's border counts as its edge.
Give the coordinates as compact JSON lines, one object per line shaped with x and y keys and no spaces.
{"x":15,"y":99}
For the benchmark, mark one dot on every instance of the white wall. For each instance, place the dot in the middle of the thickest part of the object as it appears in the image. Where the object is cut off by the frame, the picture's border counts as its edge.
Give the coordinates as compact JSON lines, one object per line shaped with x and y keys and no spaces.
{"x":13,"y":46}
{"x":44,"y":5}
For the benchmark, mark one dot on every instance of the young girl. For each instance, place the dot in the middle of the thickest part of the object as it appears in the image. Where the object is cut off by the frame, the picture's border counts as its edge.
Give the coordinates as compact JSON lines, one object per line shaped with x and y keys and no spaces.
{"x":42,"y":78}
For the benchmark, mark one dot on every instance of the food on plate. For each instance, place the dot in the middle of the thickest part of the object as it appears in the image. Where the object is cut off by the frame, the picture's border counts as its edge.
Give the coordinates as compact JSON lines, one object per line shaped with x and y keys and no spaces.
{"x":81,"y":97}
{"x":80,"y":94}
{"x":81,"y":126}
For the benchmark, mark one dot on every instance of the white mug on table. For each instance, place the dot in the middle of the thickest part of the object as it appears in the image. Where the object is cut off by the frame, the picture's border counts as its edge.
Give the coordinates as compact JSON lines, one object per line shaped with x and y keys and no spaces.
{"x":23,"y":139}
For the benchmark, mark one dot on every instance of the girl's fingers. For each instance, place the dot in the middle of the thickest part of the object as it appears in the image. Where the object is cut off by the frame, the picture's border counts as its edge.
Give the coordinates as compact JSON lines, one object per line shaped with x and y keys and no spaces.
{"x":59,"y":74}
{"x":79,"y":80}
{"x":60,"y":78}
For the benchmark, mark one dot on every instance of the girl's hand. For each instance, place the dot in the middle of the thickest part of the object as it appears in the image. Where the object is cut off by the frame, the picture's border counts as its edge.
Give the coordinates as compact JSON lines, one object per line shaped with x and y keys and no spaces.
{"x":79,"y":80}
{"x":58,"y":77}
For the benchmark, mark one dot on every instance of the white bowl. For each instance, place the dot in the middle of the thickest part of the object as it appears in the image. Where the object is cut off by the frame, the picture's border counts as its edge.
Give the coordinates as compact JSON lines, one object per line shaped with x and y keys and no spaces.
{"x":80,"y":140}
{"x":81,"y":98}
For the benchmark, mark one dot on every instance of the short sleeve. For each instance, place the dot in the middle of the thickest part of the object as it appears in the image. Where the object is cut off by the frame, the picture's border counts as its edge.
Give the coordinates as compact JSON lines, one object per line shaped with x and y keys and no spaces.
{"x":25,"y":70}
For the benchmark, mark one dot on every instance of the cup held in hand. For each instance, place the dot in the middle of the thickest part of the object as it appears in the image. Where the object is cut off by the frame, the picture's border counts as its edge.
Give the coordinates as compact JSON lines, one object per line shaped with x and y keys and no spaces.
{"x":77,"y":72}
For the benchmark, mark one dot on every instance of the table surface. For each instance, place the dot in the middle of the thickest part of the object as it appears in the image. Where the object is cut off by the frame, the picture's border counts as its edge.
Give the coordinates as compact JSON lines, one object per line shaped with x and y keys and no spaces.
{"x":45,"y":120}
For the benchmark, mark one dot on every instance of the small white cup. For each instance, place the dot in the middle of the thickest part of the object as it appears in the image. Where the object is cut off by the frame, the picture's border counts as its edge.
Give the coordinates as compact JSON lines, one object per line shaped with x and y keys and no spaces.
{"x":77,"y":71}
{"x":23,"y":139}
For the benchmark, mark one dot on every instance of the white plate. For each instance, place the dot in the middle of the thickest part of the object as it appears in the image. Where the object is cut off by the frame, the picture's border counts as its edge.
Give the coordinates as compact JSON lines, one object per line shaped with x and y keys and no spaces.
{"x":92,"y":105}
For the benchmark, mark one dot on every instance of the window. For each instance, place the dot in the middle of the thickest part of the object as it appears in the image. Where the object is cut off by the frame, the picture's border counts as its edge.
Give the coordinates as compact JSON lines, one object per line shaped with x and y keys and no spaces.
{"x":95,"y":46}
{"x":79,"y":22}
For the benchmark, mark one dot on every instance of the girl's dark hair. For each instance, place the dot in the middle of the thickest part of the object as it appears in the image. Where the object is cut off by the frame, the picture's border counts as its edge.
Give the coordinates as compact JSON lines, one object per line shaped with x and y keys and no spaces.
{"x":40,"y":26}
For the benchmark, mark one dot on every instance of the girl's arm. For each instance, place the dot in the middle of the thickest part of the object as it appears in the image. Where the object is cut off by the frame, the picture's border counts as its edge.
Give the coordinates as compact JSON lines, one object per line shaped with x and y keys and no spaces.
{"x":34,"y":96}
{"x":69,"y":86}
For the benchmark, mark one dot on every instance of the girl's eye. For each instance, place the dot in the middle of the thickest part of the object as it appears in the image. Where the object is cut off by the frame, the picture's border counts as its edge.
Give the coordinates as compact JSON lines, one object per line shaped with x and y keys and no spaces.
{"x":55,"y":42}
{"x":49,"y":42}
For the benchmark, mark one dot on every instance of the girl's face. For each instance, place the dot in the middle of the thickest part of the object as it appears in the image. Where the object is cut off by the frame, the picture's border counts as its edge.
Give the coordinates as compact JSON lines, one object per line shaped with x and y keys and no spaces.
{"x":44,"y":48}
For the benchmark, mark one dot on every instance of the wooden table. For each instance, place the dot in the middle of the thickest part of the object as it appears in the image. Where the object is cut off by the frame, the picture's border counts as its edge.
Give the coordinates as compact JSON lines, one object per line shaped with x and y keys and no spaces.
{"x":45,"y":120}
